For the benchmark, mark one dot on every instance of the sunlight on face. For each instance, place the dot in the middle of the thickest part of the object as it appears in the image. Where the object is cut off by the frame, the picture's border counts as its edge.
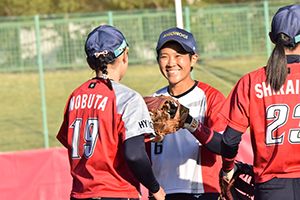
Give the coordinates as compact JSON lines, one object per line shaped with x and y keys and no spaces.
{"x":175,"y":63}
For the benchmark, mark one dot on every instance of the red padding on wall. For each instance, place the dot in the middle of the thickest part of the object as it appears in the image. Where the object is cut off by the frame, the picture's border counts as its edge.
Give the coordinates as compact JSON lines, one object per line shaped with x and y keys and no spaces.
{"x":44,"y":174}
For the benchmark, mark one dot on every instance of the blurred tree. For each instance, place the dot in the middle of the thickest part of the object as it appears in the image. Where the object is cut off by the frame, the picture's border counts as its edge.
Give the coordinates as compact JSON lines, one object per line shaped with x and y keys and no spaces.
{"x":32,"y":7}
{"x":25,"y":7}
{"x":138,"y":4}
{"x":225,"y":1}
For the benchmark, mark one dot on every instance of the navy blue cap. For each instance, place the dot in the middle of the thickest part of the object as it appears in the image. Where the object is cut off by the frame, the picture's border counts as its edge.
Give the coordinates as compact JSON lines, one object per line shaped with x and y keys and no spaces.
{"x":105,"y":38}
{"x":287,"y":21}
{"x":184,"y":38}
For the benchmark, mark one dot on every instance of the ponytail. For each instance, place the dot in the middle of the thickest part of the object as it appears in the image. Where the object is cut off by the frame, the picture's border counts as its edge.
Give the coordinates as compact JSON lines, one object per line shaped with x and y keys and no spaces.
{"x":277,"y":71}
{"x":101,"y":65}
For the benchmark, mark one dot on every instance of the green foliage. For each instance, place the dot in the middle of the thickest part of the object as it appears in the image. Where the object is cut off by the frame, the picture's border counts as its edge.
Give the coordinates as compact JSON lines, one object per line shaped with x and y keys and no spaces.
{"x":32,"y":7}
{"x":137,"y":4}
{"x":27,"y":7}
{"x":226,"y":1}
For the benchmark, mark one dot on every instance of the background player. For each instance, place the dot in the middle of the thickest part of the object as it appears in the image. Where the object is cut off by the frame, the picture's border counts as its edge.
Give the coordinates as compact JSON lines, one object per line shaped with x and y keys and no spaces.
{"x":104,"y":126}
{"x":185,"y":168}
{"x":267,"y":100}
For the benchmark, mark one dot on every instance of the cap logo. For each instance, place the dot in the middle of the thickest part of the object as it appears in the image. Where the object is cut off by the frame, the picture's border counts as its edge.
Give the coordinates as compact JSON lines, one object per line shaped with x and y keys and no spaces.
{"x":120,"y":49}
{"x":177,"y":34}
{"x":297,"y":38}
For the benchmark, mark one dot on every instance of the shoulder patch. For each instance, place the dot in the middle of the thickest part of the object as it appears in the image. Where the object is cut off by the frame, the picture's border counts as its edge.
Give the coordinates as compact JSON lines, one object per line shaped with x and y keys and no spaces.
{"x":92,"y":85}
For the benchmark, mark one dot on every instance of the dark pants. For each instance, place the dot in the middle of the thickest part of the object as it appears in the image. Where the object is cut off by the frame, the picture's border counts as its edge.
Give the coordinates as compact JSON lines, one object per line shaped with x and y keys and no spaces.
{"x":72,"y":198}
{"x":182,"y":196}
{"x":278,"y":189}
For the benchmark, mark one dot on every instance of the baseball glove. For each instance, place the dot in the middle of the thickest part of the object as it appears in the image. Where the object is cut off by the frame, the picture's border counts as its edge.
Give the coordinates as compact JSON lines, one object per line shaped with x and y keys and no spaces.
{"x":167,"y":115}
{"x":241,"y":186}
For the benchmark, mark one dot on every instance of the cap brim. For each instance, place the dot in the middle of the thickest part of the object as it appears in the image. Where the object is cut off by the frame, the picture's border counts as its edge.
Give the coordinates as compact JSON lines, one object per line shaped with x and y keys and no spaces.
{"x":184,"y":46}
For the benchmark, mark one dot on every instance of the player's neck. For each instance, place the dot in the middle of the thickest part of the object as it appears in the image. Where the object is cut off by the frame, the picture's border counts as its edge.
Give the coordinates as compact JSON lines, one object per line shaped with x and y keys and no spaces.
{"x":295,"y":51}
{"x":112,"y":73}
{"x":181,"y":87}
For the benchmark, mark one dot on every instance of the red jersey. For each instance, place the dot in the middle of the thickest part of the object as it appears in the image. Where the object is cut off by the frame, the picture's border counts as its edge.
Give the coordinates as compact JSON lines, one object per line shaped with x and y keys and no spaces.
{"x":274,"y":121}
{"x":97,"y":120}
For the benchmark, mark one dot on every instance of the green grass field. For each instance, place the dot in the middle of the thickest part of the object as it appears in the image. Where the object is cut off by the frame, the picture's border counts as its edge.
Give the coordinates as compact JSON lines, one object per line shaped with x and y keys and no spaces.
{"x":21,"y":118}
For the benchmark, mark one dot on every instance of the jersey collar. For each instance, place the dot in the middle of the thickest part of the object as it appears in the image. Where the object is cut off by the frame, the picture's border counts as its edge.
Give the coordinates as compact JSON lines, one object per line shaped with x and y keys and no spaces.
{"x":181,"y":95}
{"x":292,"y":59}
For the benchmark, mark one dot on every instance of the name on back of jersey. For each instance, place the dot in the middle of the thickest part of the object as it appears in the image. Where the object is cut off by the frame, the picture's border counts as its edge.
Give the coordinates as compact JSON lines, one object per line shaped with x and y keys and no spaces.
{"x":265,"y":90}
{"x":94,"y":101}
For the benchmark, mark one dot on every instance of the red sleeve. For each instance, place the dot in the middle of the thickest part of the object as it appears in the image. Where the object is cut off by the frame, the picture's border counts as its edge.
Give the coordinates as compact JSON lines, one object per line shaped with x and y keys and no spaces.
{"x":215,"y":100}
{"x":62,"y":135}
{"x":205,"y":133}
{"x":235,"y":109}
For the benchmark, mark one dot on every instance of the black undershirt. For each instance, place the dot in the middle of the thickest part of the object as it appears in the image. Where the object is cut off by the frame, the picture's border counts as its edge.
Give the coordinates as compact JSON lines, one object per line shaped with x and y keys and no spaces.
{"x":139,"y":163}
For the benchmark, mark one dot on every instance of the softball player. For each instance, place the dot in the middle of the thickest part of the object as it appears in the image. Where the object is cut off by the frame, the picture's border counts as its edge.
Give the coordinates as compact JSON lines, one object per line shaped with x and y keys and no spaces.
{"x":104,"y":127}
{"x":267,"y":100}
{"x":185,"y":168}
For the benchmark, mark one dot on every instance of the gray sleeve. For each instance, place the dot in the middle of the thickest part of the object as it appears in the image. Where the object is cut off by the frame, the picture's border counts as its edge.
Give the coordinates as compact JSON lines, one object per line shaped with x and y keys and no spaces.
{"x":134,"y":112}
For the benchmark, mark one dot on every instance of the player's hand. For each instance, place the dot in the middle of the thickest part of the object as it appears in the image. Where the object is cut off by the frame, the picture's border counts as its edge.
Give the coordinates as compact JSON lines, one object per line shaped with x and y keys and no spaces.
{"x":229,"y":174}
{"x":160,"y":195}
{"x":237,"y":183}
{"x":191,"y":123}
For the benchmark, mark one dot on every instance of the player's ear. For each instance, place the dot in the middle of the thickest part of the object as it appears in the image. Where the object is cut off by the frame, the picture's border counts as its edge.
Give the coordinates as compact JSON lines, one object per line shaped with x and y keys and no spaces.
{"x":157,"y":57}
{"x":194,"y":59}
{"x":88,"y":60}
{"x":124,"y":57}
{"x":271,"y":37}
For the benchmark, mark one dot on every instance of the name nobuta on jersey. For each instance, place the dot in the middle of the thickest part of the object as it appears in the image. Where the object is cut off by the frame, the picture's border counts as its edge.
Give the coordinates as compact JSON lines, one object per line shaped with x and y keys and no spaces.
{"x":274,"y":122}
{"x":180,"y":163}
{"x":97,"y":121}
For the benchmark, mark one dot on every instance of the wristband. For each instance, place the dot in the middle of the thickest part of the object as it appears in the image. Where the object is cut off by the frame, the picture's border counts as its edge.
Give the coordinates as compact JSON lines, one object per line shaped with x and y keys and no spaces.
{"x":190,"y":124}
{"x":228,"y":175}
{"x":228,"y":163}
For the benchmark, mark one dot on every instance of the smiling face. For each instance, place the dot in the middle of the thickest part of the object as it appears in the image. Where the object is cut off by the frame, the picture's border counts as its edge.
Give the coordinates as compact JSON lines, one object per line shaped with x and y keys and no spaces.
{"x":175,"y":64}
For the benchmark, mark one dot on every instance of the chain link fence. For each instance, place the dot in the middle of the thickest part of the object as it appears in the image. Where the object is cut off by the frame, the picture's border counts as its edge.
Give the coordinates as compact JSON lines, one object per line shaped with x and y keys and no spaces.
{"x":220,"y":31}
{"x":56,"y":42}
